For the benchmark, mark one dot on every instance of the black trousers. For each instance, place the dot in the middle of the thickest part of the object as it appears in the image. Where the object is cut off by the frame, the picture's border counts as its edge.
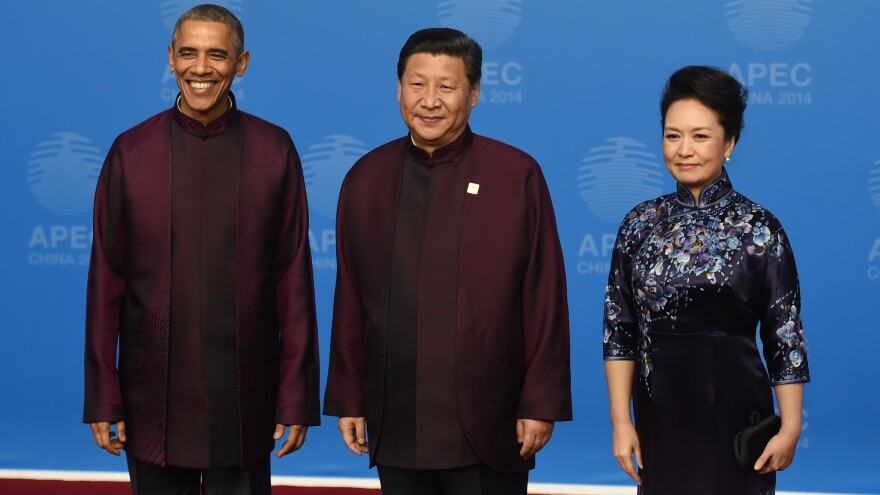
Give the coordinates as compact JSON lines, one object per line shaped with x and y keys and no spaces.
{"x":478,"y":479}
{"x":149,"y":479}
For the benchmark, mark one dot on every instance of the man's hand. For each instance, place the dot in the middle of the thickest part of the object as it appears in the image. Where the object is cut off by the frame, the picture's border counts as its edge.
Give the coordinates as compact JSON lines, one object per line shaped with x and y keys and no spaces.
{"x":295,"y":439}
{"x":354,"y":434}
{"x":533,"y":434}
{"x":104,"y":437}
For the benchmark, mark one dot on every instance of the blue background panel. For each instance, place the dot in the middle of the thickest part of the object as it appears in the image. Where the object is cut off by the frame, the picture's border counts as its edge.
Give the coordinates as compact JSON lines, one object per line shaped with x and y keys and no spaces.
{"x":574,"y":83}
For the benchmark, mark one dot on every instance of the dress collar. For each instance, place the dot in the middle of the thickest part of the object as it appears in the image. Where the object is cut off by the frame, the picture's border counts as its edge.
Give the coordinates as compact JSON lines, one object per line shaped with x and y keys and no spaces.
{"x":214,"y":128}
{"x":443,"y":154}
{"x":715,"y":191}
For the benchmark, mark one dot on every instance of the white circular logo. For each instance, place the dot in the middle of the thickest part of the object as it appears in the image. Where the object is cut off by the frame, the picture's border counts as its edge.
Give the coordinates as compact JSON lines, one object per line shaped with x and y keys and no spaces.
{"x":768,"y":25}
{"x":173,"y":9}
{"x":874,"y":184}
{"x":62,"y":173}
{"x":618,"y":175}
{"x":490,"y":22}
{"x":324,"y":166}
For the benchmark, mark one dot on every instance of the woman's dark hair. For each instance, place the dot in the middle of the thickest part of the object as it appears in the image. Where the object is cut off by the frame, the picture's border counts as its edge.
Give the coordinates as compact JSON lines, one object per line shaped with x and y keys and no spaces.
{"x":444,"y":41}
{"x":712,"y":87}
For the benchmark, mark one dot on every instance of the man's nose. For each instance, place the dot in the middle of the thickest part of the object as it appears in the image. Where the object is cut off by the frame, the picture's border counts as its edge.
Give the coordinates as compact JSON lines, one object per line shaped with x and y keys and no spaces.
{"x":201,"y":66}
{"x":430,"y":99}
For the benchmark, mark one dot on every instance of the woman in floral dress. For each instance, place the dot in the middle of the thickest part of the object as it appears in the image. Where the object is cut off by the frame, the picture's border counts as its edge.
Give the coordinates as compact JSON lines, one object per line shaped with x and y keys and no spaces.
{"x":693,"y":274}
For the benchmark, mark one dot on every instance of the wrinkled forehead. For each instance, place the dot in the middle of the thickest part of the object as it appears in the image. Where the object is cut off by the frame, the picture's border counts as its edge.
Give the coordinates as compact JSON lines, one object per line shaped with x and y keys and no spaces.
{"x":210,"y":34}
{"x":437,"y":63}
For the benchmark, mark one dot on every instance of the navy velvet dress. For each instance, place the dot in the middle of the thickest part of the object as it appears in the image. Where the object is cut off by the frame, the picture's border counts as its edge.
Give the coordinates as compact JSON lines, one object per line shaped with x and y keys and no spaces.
{"x":689,"y":284}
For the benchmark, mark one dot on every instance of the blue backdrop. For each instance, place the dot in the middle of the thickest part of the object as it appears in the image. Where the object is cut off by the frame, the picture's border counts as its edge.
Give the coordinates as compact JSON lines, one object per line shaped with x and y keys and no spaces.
{"x":574,"y":83}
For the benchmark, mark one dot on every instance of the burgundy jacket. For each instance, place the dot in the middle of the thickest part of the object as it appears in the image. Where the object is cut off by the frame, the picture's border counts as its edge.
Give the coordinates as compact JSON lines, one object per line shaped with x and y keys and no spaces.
{"x":512,"y":341}
{"x":129,"y":290}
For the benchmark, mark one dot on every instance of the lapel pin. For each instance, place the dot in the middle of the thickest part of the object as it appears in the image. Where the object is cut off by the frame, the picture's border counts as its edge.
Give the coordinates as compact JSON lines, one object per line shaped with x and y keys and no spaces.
{"x":473,"y":188}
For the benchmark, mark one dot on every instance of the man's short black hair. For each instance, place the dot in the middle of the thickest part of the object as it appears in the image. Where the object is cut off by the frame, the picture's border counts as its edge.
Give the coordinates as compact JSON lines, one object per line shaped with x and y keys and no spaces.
{"x":444,"y":41}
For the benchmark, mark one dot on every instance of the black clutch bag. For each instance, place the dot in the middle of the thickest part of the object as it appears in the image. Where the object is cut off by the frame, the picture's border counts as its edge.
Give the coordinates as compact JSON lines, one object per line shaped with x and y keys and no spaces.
{"x":749,"y":444}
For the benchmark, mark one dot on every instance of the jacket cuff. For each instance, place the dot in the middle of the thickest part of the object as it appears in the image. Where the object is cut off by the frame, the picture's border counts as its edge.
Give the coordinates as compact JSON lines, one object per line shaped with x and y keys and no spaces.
{"x":99,"y":413}
{"x":295,"y":416}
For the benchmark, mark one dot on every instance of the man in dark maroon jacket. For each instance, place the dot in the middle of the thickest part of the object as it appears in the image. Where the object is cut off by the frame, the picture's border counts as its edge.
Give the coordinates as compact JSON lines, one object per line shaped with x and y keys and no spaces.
{"x":450,"y":323}
{"x":201,"y":272}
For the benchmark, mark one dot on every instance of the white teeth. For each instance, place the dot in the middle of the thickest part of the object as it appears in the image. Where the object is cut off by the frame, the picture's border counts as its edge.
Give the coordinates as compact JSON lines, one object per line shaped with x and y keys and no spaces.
{"x":201,"y":85}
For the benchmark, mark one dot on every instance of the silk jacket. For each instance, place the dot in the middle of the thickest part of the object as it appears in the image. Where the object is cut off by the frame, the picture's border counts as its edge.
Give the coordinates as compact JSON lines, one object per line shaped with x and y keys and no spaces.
{"x":512,"y":341}
{"x":129,"y":290}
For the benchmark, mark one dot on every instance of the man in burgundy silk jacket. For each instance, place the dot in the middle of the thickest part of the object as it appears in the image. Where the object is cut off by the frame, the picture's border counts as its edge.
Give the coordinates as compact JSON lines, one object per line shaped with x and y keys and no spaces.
{"x":450,"y":340}
{"x":201,"y":273}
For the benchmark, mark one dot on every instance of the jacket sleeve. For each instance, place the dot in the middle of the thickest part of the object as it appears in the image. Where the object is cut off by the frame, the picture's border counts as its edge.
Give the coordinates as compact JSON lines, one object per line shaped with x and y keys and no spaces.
{"x":104,"y":297}
{"x":546,"y":393}
{"x":298,"y":397}
{"x":345,"y":379}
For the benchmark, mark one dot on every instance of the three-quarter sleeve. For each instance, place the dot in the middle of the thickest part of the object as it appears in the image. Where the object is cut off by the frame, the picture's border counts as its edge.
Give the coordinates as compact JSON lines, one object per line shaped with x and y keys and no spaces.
{"x":782,"y":331}
{"x":619,"y":320}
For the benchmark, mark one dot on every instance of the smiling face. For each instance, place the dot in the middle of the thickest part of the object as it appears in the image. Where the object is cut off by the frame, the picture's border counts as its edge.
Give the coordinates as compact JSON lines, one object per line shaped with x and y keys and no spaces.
{"x":436,"y":99}
{"x":204,"y":60}
{"x":694,"y":146}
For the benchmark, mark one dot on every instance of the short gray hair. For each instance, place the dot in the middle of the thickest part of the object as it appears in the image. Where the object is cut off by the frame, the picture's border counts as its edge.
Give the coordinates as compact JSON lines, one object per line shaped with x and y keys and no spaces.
{"x":209,"y":12}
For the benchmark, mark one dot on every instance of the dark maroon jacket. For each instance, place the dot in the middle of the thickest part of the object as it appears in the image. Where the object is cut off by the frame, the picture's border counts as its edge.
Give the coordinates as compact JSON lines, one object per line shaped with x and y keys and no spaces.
{"x":512,"y":341}
{"x":129,"y":290}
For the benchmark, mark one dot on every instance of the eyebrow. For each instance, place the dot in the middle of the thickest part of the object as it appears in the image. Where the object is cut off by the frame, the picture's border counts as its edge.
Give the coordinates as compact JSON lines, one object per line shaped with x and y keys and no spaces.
{"x":444,"y":78}
{"x":703,"y":128}
{"x":211,"y":51}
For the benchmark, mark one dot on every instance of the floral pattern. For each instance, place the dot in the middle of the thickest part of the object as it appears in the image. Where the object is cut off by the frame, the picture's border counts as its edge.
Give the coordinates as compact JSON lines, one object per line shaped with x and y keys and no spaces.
{"x":682,"y":267}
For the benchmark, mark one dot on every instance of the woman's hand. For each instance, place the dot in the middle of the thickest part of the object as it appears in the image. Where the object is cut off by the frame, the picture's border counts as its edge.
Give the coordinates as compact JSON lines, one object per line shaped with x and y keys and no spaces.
{"x":778,"y":453}
{"x":624,"y":439}
{"x":625,"y":443}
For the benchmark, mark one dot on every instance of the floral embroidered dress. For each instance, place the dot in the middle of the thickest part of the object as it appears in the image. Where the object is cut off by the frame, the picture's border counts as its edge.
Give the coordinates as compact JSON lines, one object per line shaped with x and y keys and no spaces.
{"x":689,"y":284}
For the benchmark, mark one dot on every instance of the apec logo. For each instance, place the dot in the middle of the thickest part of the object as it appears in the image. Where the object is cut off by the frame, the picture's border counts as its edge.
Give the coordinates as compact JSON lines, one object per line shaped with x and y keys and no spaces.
{"x":874,"y":185}
{"x":776,"y":83}
{"x":618,"y":175}
{"x":61,"y":174}
{"x":492,"y":23}
{"x":324,"y":167}
{"x":874,"y":194}
{"x":767,"y":26}
{"x":171,"y":10}
{"x":614,"y":177}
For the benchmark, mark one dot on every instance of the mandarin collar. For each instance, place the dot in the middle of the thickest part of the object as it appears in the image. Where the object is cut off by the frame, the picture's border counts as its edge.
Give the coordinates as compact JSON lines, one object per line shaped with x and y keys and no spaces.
{"x":714,"y":192}
{"x":444,"y":154}
{"x":216,"y":127}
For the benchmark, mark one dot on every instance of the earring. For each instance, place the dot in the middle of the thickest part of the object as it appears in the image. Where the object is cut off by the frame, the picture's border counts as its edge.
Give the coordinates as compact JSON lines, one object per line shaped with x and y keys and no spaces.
{"x":727,"y":159}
